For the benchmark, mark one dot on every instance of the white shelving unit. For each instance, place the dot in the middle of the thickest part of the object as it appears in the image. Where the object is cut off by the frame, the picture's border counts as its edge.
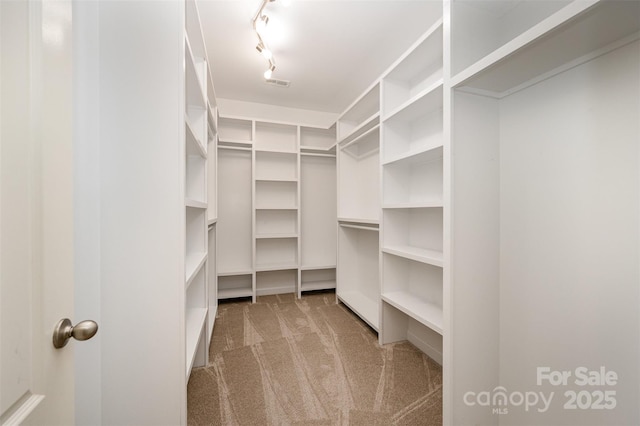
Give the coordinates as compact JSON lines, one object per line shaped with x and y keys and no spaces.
{"x":542,"y":114}
{"x":236,"y":276}
{"x":276,"y":216}
{"x":412,"y":229}
{"x":358,"y":181}
{"x":198,"y":134}
{"x":318,"y":208}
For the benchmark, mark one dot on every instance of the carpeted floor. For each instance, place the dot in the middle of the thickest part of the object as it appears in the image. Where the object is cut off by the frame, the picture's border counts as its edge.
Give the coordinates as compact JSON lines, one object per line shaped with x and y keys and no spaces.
{"x":283,"y":361}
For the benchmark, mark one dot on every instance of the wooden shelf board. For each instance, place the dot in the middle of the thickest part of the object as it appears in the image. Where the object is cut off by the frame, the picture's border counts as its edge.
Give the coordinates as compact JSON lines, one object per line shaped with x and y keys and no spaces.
{"x":359,"y":220}
{"x":361,"y":130}
{"x":188,"y":202}
{"x":264,"y":179}
{"x":422,"y":155}
{"x":317,"y":267}
{"x":233,"y":293}
{"x":233,"y":273}
{"x":194,"y":144}
{"x":195,"y":96}
{"x":194,"y":322}
{"x":275,"y":236}
{"x":363,"y":306}
{"x":427,"y":100}
{"x":276,"y":151}
{"x":238,"y":143}
{"x":192,"y":264}
{"x":574,"y":32}
{"x":426,"y":313}
{"x":275,"y":208}
{"x":276,"y":267}
{"x":212,"y":221}
{"x":431,"y":257}
{"x":318,"y":285}
{"x":414,"y":205}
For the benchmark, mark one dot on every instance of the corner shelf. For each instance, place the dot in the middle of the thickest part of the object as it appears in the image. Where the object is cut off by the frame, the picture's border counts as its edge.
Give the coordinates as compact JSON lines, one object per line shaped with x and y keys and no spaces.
{"x":426,"y":313}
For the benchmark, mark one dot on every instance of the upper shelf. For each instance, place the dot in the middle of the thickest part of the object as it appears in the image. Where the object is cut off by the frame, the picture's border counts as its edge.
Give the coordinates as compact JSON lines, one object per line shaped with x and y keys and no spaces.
{"x":581,"y":30}
{"x":359,"y":116}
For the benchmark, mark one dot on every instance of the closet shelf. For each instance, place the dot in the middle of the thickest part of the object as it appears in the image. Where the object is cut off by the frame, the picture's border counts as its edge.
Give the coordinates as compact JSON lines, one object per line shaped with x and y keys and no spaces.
{"x":196,"y":204}
{"x":317,"y":267}
{"x":233,"y":293}
{"x":266,"y":179}
{"x":576,"y":33}
{"x":358,"y":220}
{"x":233,"y":143}
{"x":318,"y":285}
{"x":192,"y":264}
{"x":420,"y":156}
{"x":361,"y":129}
{"x":279,"y":235}
{"x":235,"y":272}
{"x":436,"y":203}
{"x":361,"y":304}
{"x":194,"y":322}
{"x":277,"y":151}
{"x":195,"y":96}
{"x":428,"y":100}
{"x":276,"y":267}
{"x":276,"y":208}
{"x":194,"y":144}
{"x":426,"y":313}
{"x":431,"y":257}
{"x":366,"y":144}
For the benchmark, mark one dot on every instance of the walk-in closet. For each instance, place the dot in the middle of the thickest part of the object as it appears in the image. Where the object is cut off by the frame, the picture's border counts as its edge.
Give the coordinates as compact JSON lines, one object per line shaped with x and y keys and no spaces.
{"x":413,"y":212}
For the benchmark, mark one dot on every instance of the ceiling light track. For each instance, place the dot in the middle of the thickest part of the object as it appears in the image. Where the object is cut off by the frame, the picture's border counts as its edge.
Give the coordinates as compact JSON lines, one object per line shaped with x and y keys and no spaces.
{"x":260,"y":21}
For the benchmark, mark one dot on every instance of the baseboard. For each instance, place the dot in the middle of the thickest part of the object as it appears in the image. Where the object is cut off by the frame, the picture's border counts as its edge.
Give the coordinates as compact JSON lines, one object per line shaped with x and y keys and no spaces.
{"x":425,"y":347}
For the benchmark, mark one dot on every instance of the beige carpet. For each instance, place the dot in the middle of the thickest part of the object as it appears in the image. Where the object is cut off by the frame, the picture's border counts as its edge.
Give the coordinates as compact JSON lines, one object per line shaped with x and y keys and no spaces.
{"x":283,"y":361}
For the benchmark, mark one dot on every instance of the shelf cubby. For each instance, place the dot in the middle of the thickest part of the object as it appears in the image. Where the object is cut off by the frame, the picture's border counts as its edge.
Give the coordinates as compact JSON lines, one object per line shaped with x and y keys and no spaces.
{"x":415,"y":72}
{"x":363,"y":114}
{"x":317,"y":279}
{"x":358,"y":284}
{"x":415,"y":179}
{"x":415,"y":234}
{"x":276,"y":166}
{"x":358,"y":178}
{"x":414,"y":288}
{"x":276,"y":281}
{"x":276,"y":137}
{"x":231,"y":286}
{"x":318,"y":211}
{"x":276,"y":195}
{"x":196,"y":245}
{"x":276,"y":253}
{"x":274,"y":223}
{"x":234,"y":225}
{"x":235,"y":130}
{"x":317,"y":139}
{"x":415,"y":128}
{"x":195,"y":320}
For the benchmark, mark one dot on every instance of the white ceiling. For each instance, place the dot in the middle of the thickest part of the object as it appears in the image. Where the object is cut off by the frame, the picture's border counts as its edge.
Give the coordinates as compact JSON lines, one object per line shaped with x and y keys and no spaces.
{"x":330,"y":50}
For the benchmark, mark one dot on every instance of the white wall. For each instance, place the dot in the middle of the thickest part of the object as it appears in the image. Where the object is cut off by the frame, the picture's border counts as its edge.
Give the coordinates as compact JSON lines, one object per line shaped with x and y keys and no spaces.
{"x":569,"y":236}
{"x":302,"y":117}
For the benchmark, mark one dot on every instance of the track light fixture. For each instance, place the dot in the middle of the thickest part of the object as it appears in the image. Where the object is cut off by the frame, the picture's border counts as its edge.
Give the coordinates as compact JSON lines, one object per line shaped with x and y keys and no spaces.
{"x":260,"y":21}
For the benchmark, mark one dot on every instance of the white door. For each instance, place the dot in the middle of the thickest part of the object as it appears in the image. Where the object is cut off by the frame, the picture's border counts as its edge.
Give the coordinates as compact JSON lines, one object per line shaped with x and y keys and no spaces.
{"x":36,"y":211}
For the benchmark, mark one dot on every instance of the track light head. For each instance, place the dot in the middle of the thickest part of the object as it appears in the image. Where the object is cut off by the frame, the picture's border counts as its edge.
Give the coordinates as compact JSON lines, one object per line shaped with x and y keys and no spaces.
{"x":269,"y":71}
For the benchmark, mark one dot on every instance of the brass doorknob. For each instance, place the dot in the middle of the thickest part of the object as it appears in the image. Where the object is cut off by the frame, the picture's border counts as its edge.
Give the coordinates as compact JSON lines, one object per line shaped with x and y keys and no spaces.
{"x":64,"y":331}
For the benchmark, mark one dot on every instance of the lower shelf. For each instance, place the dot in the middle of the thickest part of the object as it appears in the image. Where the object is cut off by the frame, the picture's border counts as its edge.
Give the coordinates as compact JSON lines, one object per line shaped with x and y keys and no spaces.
{"x":363,"y":306}
{"x":318,"y":285}
{"x":426,"y":313}
{"x":194,"y":324}
{"x":233,"y":293}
